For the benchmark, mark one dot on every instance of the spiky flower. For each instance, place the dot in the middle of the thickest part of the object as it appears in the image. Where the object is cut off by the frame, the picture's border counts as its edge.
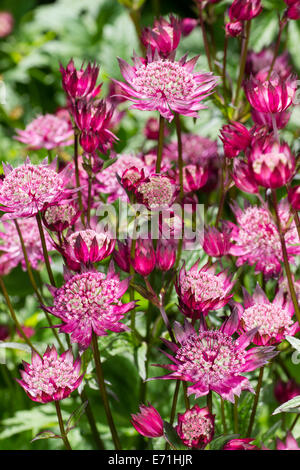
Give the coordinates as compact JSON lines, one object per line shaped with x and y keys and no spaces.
{"x":26,"y":189}
{"x":236,"y":138}
{"x":285,"y":391}
{"x":90,"y":302}
{"x":46,"y":132}
{"x":167,"y":86}
{"x":273,"y":319}
{"x":58,"y":217}
{"x":157,"y":191}
{"x":148,"y":422}
{"x":240,"y":444}
{"x":201,"y":289}
{"x":80,"y":83}
{"x":257,"y":239}
{"x":195,"y":427}
{"x":50,"y":377}
{"x":11,"y":248}
{"x":244,"y":10}
{"x":163,"y":37}
{"x":289,"y":444}
{"x":212,"y":360}
{"x":216,"y":243}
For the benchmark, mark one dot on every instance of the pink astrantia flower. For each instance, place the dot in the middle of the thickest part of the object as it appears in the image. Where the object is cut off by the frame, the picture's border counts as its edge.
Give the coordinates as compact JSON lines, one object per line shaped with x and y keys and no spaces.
{"x":195,"y":427}
{"x":289,"y":444}
{"x":201,"y":289}
{"x":163,"y":37}
{"x":212,"y":360}
{"x":240,"y":444}
{"x":236,"y":138}
{"x":285,"y":391}
{"x":58,"y":217}
{"x":216,"y":243}
{"x":90,"y":302}
{"x":156,"y":191}
{"x":194,"y":177}
{"x":80,"y":83}
{"x":262,"y":60}
{"x":26,"y":189}
{"x":11,"y":248}
{"x":234,"y":28}
{"x":166,"y":86}
{"x":6,"y":23}
{"x":273,"y":319}
{"x":272,"y":163}
{"x":131,"y":178}
{"x":50,"y":377}
{"x":294,"y":197}
{"x":267,"y":120}
{"x":144,"y":258}
{"x":151,"y":130}
{"x":46,"y":132}
{"x":244,"y":10}
{"x":243,"y":177}
{"x":148,"y":422}
{"x":165,"y":254}
{"x":257,"y":239}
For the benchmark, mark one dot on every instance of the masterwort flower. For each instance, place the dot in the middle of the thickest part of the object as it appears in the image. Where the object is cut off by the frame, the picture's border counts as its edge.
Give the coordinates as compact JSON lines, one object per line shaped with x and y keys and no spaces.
{"x":51,"y":377}
{"x":90,"y":302}
{"x":195,"y":427}
{"x":212,"y":360}
{"x":148,"y":422}
{"x":165,"y":85}
{"x":273,"y":319}
{"x":26,"y":189}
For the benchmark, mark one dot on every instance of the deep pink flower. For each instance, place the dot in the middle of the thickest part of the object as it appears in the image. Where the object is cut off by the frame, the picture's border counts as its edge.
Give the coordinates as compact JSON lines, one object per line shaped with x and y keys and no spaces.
{"x":58,"y":217}
{"x":285,"y":391}
{"x":273,"y":319}
{"x":166,"y":86}
{"x":157,"y":191}
{"x":293,"y":11}
{"x":201,"y":289}
{"x":6,"y":23}
{"x":271,"y":96}
{"x":244,"y":10}
{"x":216,"y":243}
{"x":151,"y":129}
{"x":144,"y":259}
{"x":165,"y":254}
{"x":212,"y":360}
{"x":194,"y":177}
{"x":243,"y":177}
{"x":289,"y":444}
{"x":257,"y":239}
{"x":131,"y":178}
{"x":234,"y":28}
{"x":294,"y":197}
{"x":148,"y":422}
{"x":27,"y":330}
{"x":122,"y":255}
{"x":240,"y":444}
{"x":90,"y":302}
{"x":259,"y":63}
{"x":11,"y":248}
{"x":4,"y":332}
{"x":265,"y":119}
{"x":187,"y":25}
{"x":236,"y":138}
{"x":26,"y":189}
{"x":51,"y":377}
{"x":272,"y":163}
{"x":196,"y":150}
{"x":195,"y":427}
{"x":48,"y":132}
{"x":163,"y":37}
{"x":80,"y":83}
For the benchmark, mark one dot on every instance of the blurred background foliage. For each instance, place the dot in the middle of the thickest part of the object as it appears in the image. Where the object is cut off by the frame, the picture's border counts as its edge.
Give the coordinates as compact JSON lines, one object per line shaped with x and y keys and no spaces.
{"x":46,"y":33}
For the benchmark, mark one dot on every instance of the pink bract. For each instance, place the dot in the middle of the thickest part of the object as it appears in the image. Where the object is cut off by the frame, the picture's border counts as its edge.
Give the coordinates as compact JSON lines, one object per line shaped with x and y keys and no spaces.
{"x":195,"y":427}
{"x":148,"y":421}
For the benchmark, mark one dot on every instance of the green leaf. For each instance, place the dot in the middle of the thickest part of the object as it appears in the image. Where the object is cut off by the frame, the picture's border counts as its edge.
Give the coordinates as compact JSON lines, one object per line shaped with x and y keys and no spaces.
{"x":291,"y":406}
{"x":75,"y":416}
{"x":109,"y":162}
{"x":46,"y":435}
{"x":172,"y":437}
{"x":141,"y":360}
{"x":218,"y":442}
{"x":294,"y":342}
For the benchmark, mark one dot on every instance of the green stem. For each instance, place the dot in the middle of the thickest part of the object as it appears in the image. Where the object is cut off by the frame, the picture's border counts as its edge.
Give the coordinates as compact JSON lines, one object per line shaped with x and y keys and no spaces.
{"x":204,"y":35}
{"x":90,"y":417}
{"x":173,"y":409}
{"x":45,"y":251}
{"x":185,"y":395}
{"x":255,"y":403}
{"x":100,"y":378}
{"x":160,"y":143}
{"x":223,"y":193}
{"x":294,"y":422}
{"x":242,"y":63}
{"x":276,"y":50}
{"x":77,"y":177}
{"x":209,"y":401}
{"x":285,"y":257}
{"x":223,"y":416}
{"x":14,"y":316}
{"x":236,"y":415}
{"x":180,"y":159}
{"x":62,"y":427}
{"x":224,"y":67}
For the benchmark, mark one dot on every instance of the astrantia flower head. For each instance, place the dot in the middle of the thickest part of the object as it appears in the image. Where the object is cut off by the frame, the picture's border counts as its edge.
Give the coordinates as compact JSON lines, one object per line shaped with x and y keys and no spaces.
{"x":26,"y":189}
{"x":285,"y":391}
{"x":267,"y":120}
{"x":151,"y":129}
{"x":244,"y":10}
{"x":201,"y":289}
{"x":48,"y":132}
{"x":293,"y":11}
{"x":240,"y":444}
{"x":294,"y":197}
{"x":243,"y":177}
{"x":148,"y":422}
{"x":212,"y":360}
{"x":257,"y":239}
{"x":289,"y":444}
{"x":165,"y":254}
{"x":166,"y":85}
{"x":271,"y":162}
{"x":234,"y":28}
{"x":271,"y":96}
{"x":58,"y":217}
{"x":216,"y":243}
{"x":262,"y":60}
{"x":11,"y":248}
{"x":194,"y":177}
{"x":273,"y":319}
{"x":195,"y":427}
{"x":131,"y":178}
{"x":144,"y":259}
{"x":6,"y":23}
{"x":80,"y":83}
{"x":236,"y":138}
{"x":50,"y":377}
{"x":163,"y":37}
{"x":90,"y":302}
{"x":157,"y":191}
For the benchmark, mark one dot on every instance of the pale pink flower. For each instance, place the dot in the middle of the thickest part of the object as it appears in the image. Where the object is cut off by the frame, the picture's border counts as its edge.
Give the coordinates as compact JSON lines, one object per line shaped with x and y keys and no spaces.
{"x":195,"y":427}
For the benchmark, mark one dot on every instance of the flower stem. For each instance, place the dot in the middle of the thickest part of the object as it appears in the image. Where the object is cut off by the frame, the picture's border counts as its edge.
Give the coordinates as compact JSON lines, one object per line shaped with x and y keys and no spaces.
{"x":185,"y":395}
{"x":242,"y":63}
{"x":236,"y":415}
{"x":45,"y":251}
{"x":89,"y":414}
{"x":174,"y":404}
{"x":276,"y":50}
{"x":180,"y":159}
{"x":285,"y":258}
{"x":224,"y":67}
{"x":209,"y":401}
{"x":160,"y":143}
{"x":14,"y":316}
{"x":204,"y":35}
{"x":77,"y":177}
{"x":255,"y":403}
{"x":100,"y":378}
{"x":223,"y":416}
{"x":62,"y":427}
{"x":223,"y":192}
